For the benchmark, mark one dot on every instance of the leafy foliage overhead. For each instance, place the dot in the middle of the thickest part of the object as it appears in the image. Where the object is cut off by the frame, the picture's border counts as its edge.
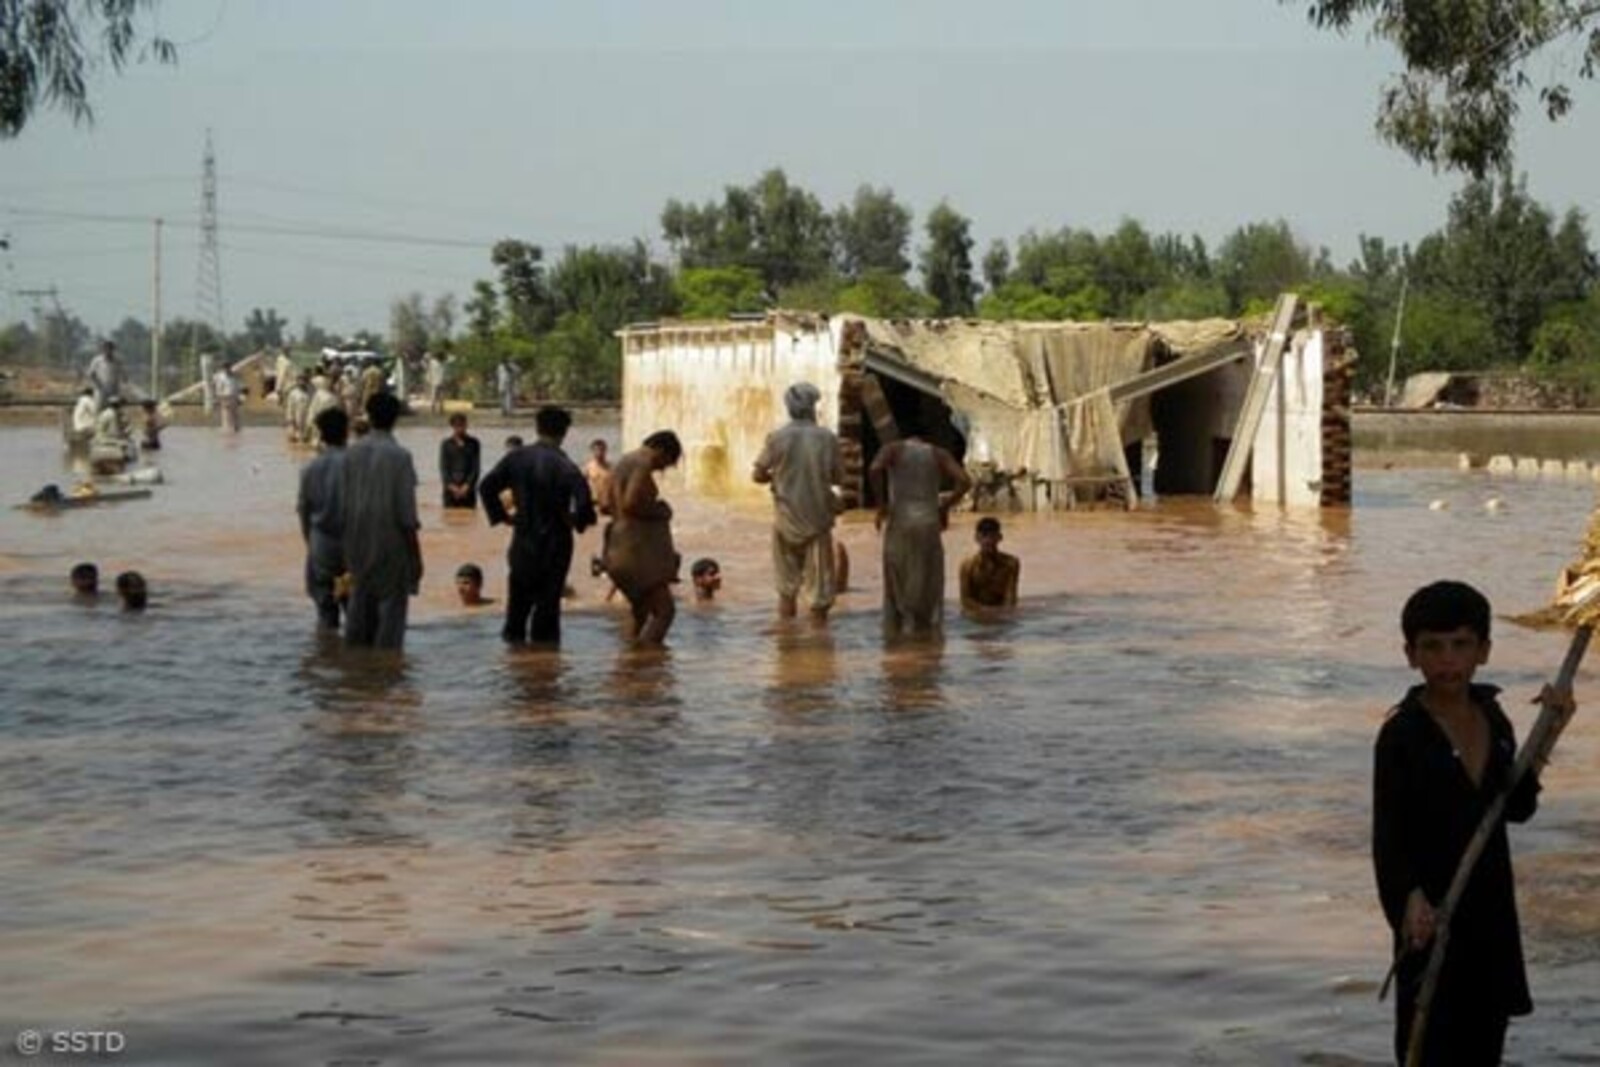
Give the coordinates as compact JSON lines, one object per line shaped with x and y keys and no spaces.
{"x":49,"y":47}
{"x":1468,"y":63}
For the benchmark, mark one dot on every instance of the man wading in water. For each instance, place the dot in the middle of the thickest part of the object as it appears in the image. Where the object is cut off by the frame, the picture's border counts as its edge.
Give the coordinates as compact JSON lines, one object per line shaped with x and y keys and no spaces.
{"x":802,"y":463}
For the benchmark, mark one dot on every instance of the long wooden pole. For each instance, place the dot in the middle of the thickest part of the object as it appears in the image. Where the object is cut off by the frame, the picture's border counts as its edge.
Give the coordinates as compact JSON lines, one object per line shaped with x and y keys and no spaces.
{"x":1535,"y":752}
{"x":155,"y":328}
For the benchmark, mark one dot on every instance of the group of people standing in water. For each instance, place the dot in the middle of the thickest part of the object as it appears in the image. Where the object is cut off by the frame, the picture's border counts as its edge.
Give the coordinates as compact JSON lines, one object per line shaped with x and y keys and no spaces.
{"x":357,"y":508}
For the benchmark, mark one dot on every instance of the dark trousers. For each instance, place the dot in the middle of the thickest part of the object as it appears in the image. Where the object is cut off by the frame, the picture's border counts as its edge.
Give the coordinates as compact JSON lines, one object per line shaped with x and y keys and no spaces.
{"x":539,"y":568}
{"x":374,"y":619}
{"x":1460,"y":1038}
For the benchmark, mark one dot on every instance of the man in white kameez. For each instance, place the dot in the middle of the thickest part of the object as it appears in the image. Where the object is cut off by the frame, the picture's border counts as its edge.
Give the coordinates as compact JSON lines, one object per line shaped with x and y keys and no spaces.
{"x":105,"y":375}
{"x":283,"y":376}
{"x":381,"y":547}
{"x":802,"y":463}
{"x":322,"y":398}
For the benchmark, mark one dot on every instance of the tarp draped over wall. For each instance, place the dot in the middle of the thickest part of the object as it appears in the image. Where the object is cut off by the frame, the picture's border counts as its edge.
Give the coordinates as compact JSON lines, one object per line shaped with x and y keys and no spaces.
{"x":1012,"y":386}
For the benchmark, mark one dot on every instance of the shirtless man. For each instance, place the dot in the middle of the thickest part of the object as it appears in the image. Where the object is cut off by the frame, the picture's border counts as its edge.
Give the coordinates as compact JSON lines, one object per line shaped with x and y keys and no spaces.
{"x":639,"y":554}
{"x":989,"y":576}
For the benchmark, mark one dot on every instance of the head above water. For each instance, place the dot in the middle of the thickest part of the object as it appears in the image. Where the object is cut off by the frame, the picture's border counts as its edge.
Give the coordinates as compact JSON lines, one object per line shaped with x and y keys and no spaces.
{"x":1445,"y":607}
{"x":552,"y":423}
{"x":801,"y":400}
{"x":86,"y":578}
{"x":333,"y":425}
{"x":666,"y":446}
{"x":469,"y":584}
{"x":132,"y":590}
{"x":383,"y":410}
{"x":706,"y":574}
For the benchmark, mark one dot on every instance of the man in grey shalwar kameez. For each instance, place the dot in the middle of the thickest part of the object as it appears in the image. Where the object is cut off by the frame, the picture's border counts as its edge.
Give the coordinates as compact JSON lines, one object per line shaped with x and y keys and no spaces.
{"x":321,"y":509}
{"x":381,"y":547}
{"x":802,"y":463}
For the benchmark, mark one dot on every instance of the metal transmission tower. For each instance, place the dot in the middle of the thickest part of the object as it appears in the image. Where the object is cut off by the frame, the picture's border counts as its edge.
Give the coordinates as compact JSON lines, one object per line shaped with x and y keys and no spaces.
{"x":208,"y":284}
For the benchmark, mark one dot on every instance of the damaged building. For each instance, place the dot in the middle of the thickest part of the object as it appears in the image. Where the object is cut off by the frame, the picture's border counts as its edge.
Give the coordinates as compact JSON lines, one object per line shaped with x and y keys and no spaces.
{"x":1043,"y":414}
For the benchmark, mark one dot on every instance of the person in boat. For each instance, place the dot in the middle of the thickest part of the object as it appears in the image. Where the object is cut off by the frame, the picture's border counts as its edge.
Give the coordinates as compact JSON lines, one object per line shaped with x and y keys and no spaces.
{"x":989,"y":576}
{"x":638,"y":552}
{"x":1442,"y":755}
{"x":909,"y":478}
{"x":802,"y":463}
{"x":153,"y":425}
{"x":105,"y":375}
{"x":84,"y":413}
{"x":320,"y":507}
{"x":552,"y":503}
{"x":111,"y":447}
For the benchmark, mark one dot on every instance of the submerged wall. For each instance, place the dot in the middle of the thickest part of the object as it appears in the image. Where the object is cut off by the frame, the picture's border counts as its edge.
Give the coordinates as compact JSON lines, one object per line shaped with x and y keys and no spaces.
{"x":720,"y":387}
{"x":1287,"y":461}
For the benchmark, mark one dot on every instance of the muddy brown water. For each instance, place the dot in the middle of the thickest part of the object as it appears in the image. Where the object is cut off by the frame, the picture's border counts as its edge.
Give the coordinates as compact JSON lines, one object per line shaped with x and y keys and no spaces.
{"x":1127,"y":826}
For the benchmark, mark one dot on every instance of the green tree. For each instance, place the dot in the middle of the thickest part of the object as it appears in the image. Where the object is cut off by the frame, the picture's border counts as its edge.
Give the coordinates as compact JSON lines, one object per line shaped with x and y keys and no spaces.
{"x":1468,"y":63}
{"x":1501,"y":252}
{"x":874,"y":233}
{"x":18,"y":344}
{"x":996,"y":265}
{"x":409,"y":325}
{"x":612,"y":286}
{"x":717,"y":292}
{"x":132,"y":339}
{"x":1258,"y":261}
{"x":264,"y":329}
{"x":522,"y":284}
{"x":885,"y":295}
{"x":483,"y":312}
{"x":313,"y":336}
{"x":771,"y":226}
{"x":947,"y":261}
{"x":48,"y":47}
{"x":1129,"y":267}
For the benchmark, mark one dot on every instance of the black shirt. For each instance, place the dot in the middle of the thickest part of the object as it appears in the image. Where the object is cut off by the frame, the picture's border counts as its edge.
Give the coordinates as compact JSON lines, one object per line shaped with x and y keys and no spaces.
{"x":1425,"y":811}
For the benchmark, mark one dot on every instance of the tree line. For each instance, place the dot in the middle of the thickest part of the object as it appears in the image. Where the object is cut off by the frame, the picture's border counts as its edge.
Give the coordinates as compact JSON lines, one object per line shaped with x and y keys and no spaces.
{"x":1505,"y":283}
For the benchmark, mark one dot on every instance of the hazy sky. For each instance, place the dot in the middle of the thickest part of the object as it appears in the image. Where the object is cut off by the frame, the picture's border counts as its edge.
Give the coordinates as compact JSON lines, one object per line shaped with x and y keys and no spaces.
{"x":453,"y":125}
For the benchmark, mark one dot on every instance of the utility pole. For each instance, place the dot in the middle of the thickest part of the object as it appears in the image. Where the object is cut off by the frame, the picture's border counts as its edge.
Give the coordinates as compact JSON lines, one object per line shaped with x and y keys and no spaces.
{"x":1394,"y":345}
{"x":155,"y":328}
{"x":208,"y":282}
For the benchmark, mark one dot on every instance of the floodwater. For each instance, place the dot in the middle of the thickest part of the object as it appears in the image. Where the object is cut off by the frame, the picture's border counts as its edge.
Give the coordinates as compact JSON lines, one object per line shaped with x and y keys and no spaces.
{"x":1127,"y":826}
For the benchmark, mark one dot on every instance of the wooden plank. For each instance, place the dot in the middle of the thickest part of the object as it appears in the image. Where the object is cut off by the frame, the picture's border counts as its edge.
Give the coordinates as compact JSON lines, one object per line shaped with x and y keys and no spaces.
{"x":1179,"y":370}
{"x":876,"y":406}
{"x":1255,"y":400}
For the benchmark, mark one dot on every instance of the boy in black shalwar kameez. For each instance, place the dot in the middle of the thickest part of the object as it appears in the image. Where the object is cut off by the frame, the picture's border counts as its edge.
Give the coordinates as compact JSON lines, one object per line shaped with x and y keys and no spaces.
{"x":1441,"y":757}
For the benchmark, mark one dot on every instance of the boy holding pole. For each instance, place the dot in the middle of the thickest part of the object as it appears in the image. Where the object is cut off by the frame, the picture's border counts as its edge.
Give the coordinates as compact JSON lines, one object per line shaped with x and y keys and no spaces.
{"x":1444,"y":774}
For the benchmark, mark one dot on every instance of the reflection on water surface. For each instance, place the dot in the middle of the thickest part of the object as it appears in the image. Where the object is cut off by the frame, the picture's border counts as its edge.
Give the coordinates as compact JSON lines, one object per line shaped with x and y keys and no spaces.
{"x":1126,"y":826}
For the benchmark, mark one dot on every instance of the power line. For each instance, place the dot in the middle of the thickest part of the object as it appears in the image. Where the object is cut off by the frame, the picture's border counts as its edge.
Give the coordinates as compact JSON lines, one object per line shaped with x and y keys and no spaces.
{"x":324,"y":233}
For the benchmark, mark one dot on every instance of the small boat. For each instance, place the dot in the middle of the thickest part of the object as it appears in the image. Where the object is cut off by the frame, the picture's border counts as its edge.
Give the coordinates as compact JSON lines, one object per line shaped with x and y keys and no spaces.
{"x":52,"y":499}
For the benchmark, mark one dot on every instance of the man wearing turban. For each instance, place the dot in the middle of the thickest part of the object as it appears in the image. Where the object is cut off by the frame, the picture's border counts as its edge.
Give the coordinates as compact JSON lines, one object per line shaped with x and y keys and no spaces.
{"x":802,"y":463}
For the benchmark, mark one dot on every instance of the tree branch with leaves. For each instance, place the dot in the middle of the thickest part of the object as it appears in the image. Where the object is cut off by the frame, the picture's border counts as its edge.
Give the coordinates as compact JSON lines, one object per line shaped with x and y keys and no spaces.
{"x":1468,"y":70}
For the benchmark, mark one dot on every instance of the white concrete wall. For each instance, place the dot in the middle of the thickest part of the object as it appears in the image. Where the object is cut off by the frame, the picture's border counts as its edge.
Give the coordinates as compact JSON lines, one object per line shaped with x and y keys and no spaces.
{"x":720,"y":388}
{"x":1287,"y":457}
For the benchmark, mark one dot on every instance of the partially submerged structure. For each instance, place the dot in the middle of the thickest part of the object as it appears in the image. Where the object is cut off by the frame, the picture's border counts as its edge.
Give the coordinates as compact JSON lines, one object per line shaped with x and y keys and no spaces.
{"x":1044,"y":414}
